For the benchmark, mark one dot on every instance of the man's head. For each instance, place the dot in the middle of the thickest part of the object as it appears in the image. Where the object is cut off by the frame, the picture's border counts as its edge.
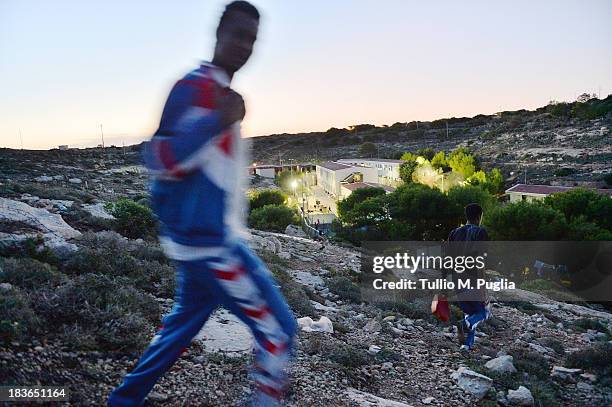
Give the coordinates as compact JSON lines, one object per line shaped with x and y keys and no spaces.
{"x":236,"y":34}
{"x":473,"y":213}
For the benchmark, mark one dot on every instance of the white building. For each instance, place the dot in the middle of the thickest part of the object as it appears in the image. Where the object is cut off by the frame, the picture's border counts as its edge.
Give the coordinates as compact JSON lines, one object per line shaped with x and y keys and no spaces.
{"x":266,"y":171}
{"x":527,"y":192}
{"x":388,"y":170}
{"x":331,"y":175}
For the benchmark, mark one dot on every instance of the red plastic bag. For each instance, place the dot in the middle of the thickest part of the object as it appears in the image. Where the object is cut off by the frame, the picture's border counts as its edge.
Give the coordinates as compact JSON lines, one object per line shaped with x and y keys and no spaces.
{"x":440,"y":308}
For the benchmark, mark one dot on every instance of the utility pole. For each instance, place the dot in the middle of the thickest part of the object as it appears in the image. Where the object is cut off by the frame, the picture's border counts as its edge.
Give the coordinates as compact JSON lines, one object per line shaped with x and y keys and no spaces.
{"x":21,"y":139}
{"x":102,"y":134}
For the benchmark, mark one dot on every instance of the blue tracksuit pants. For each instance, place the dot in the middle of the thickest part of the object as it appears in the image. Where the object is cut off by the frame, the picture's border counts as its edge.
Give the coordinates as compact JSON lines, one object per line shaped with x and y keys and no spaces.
{"x":239,"y":281}
{"x":475,"y":312}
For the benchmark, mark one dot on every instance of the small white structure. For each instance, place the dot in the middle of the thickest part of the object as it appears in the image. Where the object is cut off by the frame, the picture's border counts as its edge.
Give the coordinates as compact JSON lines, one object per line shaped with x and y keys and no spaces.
{"x":63,"y":147}
{"x":527,"y":192}
{"x":388,"y":169}
{"x":266,"y":171}
{"x":332,"y":174}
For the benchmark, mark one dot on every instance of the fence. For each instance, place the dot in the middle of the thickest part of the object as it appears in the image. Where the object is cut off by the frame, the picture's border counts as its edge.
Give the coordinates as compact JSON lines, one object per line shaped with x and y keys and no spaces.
{"x":306,"y":227}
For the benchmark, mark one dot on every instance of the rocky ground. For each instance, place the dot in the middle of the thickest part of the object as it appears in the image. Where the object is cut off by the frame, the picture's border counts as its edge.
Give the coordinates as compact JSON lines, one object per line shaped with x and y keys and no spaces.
{"x":384,"y":355}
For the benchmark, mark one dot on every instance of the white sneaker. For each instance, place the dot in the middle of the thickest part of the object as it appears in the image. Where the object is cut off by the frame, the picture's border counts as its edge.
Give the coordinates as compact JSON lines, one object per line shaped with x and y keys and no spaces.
{"x":464,"y":348}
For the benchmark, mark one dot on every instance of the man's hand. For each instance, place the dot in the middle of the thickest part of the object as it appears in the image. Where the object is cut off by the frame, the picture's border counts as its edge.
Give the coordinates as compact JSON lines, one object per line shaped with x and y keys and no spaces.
{"x":231,"y":108}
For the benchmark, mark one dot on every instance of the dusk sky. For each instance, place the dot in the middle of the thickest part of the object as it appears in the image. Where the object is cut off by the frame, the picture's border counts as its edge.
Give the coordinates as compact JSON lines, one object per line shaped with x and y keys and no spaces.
{"x":68,"y":66}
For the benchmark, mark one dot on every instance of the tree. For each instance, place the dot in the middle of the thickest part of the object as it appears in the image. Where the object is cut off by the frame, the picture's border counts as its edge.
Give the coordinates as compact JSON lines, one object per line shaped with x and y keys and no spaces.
{"x":361,"y":127}
{"x":495,"y":181}
{"x":368,"y":150}
{"x":478,"y":178}
{"x":371,"y":212}
{"x":461,"y":196}
{"x":427,"y":153}
{"x":408,"y":156}
{"x":333,"y":131}
{"x":273,"y":218}
{"x":585,"y":97}
{"x":525,"y":221}
{"x":265,"y":197}
{"x":358,"y":196}
{"x":461,"y":161}
{"x":439,"y":161}
{"x":406,"y":169}
{"x":582,"y":204}
{"x":426,"y":209}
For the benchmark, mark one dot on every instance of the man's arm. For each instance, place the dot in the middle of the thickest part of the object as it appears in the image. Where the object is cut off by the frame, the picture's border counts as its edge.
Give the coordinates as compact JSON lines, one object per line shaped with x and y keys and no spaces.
{"x":193,"y":115}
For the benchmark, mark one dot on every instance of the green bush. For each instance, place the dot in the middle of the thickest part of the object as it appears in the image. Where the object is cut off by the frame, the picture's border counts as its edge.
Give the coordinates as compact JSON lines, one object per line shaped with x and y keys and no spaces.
{"x":348,"y":356}
{"x":17,"y":318}
{"x":259,"y":199}
{"x":554,"y":344}
{"x":132,"y":219}
{"x":29,"y":273}
{"x":562,"y":172}
{"x":124,"y":333}
{"x":597,"y":357}
{"x":113,"y":258}
{"x":273,"y":218}
{"x":293,"y":292}
{"x":584,"y":324}
{"x":345,"y":288}
{"x":111,"y":311}
{"x":31,"y":248}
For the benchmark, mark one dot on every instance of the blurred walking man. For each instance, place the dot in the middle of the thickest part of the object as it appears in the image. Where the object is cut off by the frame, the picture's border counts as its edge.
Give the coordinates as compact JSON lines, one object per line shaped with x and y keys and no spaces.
{"x":198,"y":162}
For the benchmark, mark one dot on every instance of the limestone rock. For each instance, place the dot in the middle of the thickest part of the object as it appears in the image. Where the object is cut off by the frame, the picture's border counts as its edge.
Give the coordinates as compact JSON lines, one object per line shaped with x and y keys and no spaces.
{"x":97,"y":211}
{"x":324,"y":324}
{"x":41,"y":219}
{"x":471,"y":382}
{"x":226,"y":334}
{"x":501,"y":364}
{"x":563,"y":373}
{"x":372,"y":326}
{"x":293,"y":230}
{"x":43,"y":178}
{"x":520,"y":397}
{"x":364,"y":399}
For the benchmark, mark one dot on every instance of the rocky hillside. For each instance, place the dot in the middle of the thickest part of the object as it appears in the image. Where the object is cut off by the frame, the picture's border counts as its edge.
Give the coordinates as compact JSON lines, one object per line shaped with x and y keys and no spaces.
{"x":369,"y":356}
{"x":551,"y":143}
{"x":88,"y":299}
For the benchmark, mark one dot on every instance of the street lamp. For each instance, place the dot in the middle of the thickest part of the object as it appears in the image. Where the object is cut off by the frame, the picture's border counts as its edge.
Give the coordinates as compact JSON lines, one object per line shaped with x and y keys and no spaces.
{"x":293,"y":186}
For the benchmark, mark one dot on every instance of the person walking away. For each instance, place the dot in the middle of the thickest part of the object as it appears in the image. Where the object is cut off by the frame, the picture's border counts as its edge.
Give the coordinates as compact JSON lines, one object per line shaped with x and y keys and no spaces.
{"x":473,"y":302}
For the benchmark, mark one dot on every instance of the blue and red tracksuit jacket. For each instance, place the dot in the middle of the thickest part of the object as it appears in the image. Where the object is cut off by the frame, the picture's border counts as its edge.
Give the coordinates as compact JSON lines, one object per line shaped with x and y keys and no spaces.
{"x":198,"y":168}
